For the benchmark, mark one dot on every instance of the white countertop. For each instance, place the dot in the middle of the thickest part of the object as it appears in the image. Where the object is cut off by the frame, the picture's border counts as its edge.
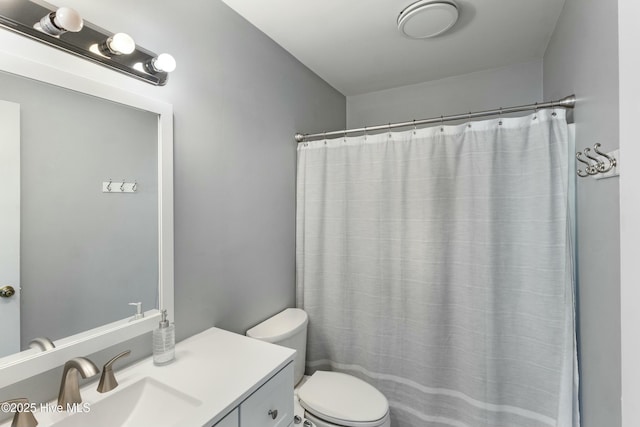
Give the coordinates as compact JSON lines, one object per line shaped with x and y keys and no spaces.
{"x":217,"y":367}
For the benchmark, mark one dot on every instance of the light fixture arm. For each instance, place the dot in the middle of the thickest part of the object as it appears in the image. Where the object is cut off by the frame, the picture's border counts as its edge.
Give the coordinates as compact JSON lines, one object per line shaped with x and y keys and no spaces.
{"x":18,"y":17}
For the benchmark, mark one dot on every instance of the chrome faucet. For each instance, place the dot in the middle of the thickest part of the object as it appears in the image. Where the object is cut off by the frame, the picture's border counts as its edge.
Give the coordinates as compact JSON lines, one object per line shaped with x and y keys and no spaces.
{"x":70,"y":384}
{"x":42,"y":343}
{"x":24,"y":416}
{"x":108,"y":379}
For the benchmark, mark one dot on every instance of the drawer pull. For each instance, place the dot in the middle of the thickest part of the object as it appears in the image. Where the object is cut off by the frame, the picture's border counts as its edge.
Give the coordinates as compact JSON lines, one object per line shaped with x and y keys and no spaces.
{"x":273,"y":413}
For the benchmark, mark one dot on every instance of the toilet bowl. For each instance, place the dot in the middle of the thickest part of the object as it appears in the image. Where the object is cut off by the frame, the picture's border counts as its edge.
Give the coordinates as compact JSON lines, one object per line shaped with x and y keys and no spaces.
{"x":329,"y":399}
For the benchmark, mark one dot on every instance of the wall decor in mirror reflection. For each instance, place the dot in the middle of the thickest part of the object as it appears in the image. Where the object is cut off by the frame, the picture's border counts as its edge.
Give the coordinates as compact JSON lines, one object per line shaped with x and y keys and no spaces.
{"x":65,"y":29}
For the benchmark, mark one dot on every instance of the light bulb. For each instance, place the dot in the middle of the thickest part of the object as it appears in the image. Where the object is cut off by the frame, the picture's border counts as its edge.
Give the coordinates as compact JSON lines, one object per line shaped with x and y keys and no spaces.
{"x":59,"y":22}
{"x":163,"y":63}
{"x":118,"y":44}
{"x":68,"y":19}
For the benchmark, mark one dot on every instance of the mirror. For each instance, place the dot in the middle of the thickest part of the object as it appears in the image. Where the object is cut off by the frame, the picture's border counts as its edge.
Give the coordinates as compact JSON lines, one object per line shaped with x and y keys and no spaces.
{"x":85,"y":252}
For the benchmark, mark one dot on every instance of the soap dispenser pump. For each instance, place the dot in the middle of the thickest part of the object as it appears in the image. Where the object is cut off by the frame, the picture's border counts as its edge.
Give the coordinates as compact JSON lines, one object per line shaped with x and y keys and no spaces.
{"x":139,"y":314}
{"x":164,"y":341}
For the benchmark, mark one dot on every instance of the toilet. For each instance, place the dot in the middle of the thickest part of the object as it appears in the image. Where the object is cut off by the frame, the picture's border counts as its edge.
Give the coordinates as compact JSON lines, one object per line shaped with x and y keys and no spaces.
{"x":324,"y":399}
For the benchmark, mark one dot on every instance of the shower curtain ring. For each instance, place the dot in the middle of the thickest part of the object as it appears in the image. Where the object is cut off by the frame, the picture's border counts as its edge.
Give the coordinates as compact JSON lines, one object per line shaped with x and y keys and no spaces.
{"x":500,"y":118}
{"x":365,"y":133}
{"x":414,"y":126}
{"x":389,"y":129}
{"x":469,"y":120}
{"x":535,"y":116}
{"x":441,"y":123}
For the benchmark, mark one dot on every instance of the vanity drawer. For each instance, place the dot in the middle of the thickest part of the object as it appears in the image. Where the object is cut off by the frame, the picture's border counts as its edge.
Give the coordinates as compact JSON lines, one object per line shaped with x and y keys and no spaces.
{"x":272,"y":404}
{"x":231,"y":420}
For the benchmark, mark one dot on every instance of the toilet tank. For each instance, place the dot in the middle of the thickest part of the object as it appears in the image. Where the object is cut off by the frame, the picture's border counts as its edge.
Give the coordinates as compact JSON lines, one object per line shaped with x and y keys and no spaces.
{"x":289,"y":329}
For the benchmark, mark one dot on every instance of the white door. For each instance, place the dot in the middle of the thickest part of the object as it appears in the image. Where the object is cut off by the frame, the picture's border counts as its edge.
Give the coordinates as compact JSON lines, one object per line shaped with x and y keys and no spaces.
{"x":9,"y":227}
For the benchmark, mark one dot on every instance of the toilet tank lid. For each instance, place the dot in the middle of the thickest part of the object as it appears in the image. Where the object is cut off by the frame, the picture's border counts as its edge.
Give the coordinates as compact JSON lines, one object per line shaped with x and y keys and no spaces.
{"x":281,"y":326}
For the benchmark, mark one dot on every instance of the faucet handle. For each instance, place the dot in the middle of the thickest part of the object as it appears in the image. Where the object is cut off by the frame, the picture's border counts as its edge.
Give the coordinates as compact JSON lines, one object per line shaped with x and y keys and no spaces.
{"x":108,"y":379}
{"x":24,"y":415}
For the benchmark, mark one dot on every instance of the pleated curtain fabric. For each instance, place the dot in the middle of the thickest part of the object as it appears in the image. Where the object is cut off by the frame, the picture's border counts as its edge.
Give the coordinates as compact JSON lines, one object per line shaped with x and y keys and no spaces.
{"x":436,"y":264}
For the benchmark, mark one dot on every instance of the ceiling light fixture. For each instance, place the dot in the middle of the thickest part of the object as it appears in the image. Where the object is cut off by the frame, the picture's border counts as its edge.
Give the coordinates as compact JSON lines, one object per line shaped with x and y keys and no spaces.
{"x":427,"y":18}
{"x":60,"y":21}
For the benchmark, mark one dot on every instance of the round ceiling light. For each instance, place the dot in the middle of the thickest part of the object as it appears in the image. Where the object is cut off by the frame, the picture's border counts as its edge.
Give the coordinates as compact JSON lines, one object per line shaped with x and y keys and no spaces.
{"x":427,"y":18}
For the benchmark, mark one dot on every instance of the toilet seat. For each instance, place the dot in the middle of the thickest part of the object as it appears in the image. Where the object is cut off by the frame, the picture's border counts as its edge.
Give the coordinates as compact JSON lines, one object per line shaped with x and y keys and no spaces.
{"x":319,"y":422}
{"x":343,"y":400}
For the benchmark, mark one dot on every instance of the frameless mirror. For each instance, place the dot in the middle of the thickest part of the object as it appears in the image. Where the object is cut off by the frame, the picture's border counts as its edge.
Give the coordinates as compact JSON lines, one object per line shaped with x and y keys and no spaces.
{"x":85,"y":248}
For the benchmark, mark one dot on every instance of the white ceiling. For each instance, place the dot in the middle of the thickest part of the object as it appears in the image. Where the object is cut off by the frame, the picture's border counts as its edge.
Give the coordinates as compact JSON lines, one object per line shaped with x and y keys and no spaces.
{"x":356,"y":47}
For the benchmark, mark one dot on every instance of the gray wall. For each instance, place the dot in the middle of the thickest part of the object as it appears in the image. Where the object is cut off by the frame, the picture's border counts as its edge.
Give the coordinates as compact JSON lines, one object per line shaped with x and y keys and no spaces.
{"x":582,"y":58}
{"x":235,"y":163}
{"x":84,"y":255}
{"x":238,"y":99}
{"x":502,"y":87}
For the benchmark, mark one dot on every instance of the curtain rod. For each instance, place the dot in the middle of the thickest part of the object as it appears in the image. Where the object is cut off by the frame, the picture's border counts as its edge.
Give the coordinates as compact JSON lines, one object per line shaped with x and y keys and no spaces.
{"x":566,"y":102}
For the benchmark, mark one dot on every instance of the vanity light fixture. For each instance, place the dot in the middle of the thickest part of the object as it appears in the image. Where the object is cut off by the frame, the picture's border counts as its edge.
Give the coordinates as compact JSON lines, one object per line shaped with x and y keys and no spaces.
{"x":163,"y":63}
{"x":64,"y":29}
{"x":60,"y":21}
{"x":117,"y":44}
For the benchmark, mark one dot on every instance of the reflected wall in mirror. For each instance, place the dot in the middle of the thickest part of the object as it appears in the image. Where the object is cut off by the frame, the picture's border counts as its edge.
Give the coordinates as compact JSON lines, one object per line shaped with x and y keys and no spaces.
{"x":84,"y":254}
{"x":9,"y":226}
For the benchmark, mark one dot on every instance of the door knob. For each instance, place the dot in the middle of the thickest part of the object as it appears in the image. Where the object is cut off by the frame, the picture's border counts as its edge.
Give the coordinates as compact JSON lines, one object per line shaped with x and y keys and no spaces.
{"x":7,"y":291}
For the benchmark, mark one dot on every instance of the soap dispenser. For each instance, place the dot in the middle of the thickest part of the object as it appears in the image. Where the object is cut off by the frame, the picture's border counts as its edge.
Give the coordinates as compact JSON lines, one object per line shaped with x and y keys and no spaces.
{"x":139,"y":314}
{"x":164,"y":344}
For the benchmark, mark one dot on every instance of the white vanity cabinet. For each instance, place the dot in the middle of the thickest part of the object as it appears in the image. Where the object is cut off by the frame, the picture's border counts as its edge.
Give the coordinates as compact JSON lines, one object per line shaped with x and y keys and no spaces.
{"x":272,"y":404}
{"x":218,"y":379}
{"x":231,"y":420}
{"x":269,"y":406}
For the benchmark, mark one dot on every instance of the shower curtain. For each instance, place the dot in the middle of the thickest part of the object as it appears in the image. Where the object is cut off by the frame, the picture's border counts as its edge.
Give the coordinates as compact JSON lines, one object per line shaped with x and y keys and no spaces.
{"x":436,"y":264}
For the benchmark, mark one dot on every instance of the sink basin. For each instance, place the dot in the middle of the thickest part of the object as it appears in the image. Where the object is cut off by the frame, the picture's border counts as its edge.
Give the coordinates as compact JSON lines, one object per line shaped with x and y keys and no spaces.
{"x":146,"y":402}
